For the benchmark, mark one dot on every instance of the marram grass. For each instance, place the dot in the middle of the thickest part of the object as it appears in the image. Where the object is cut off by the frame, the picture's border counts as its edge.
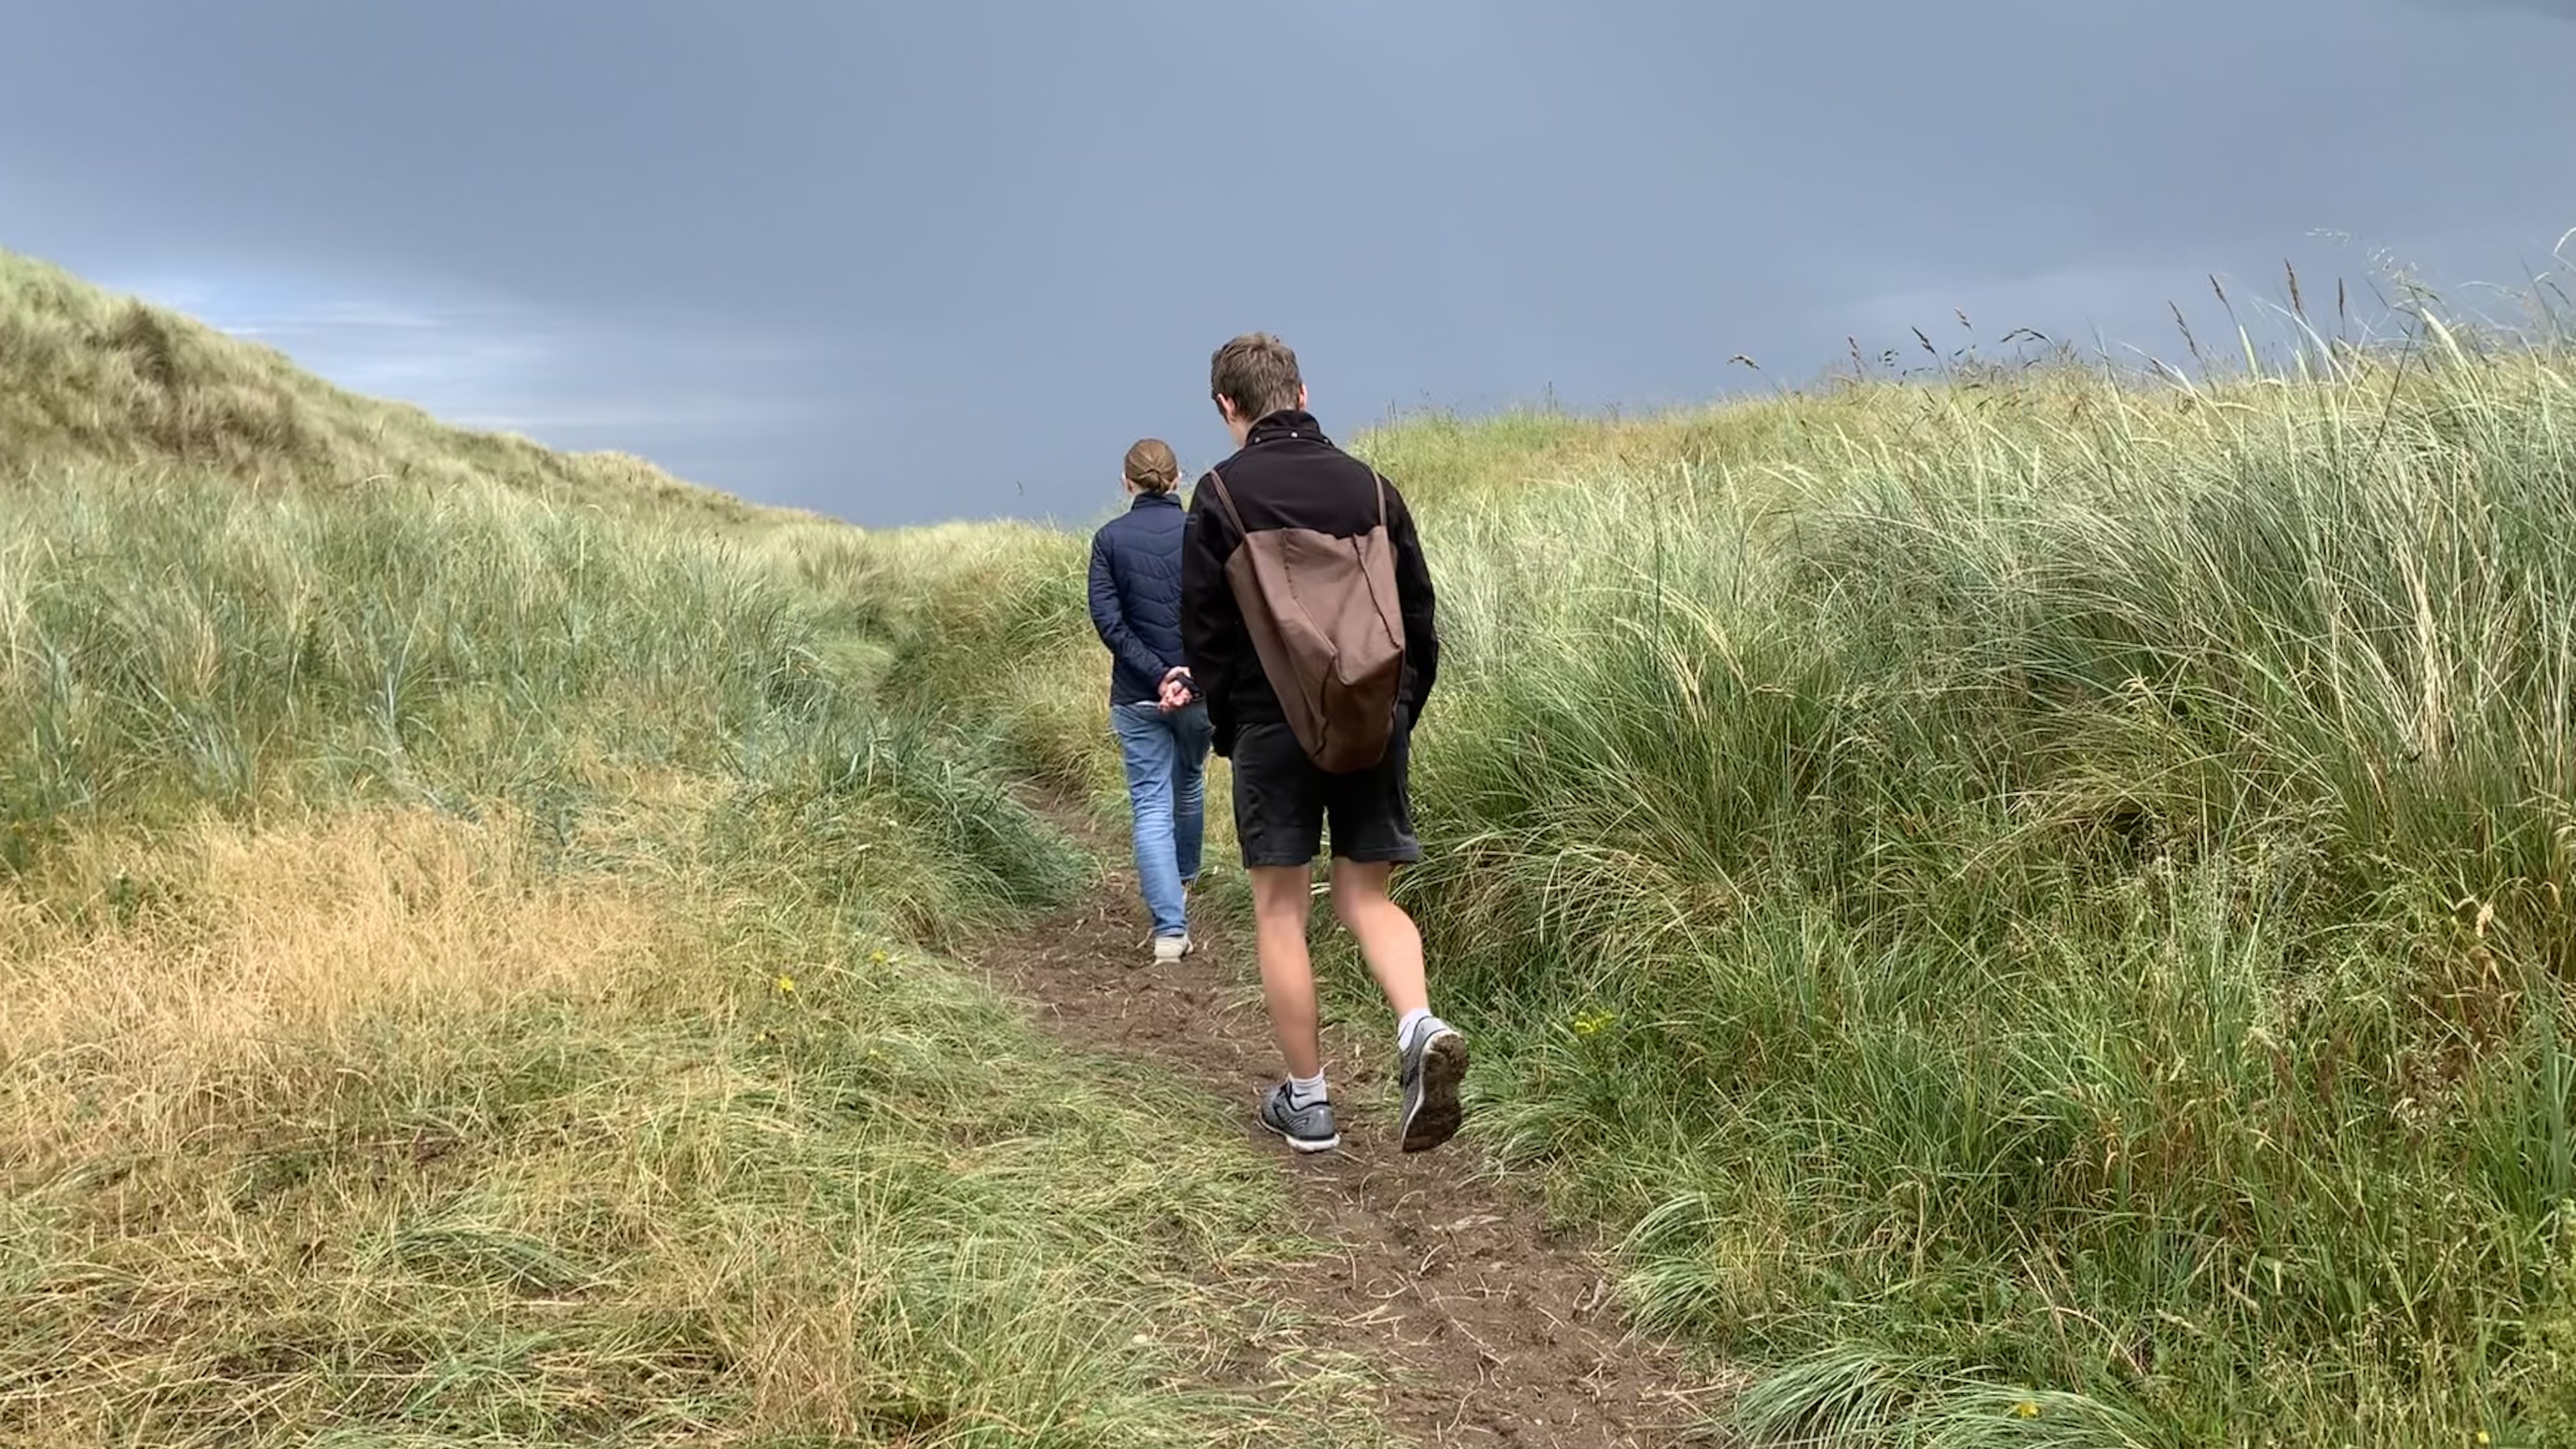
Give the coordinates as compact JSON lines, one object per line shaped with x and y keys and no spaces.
{"x":468,"y":975}
{"x":2038,"y":907}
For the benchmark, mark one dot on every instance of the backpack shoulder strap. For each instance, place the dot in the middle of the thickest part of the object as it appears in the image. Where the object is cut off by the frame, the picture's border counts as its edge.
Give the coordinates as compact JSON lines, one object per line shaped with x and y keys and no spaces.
{"x":1225,"y":497}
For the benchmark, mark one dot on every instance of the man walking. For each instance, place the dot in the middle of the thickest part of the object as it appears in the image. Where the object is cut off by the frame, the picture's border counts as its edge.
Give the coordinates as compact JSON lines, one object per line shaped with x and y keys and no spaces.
{"x":1287,"y":476}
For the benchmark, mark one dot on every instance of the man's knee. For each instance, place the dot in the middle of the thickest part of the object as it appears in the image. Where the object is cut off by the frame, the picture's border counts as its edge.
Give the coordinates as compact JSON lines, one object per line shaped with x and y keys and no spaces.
{"x":1359,"y":891}
{"x":1280,"y":892}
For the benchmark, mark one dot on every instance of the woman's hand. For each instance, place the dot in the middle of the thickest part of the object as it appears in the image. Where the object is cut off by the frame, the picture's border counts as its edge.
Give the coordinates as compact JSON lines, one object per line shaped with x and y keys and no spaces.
{"x":1178,"y":690}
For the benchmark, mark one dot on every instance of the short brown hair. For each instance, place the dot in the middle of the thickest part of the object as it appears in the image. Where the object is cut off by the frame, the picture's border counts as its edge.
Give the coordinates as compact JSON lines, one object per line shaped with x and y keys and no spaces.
{"x":1151,"y":466}
{"x":1257,"y":373}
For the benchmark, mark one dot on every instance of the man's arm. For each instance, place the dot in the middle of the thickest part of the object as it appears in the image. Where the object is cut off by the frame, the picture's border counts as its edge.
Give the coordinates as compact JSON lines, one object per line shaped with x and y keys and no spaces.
{"x":1211,"y":626}
{"x":1110,"y":621}
{"x":1414,"y":598}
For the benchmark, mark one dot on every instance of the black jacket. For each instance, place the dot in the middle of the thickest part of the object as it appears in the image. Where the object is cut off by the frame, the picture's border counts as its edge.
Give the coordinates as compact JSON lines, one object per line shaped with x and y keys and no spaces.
{"x":1289,"y":475}
{"x":1136,"y":595}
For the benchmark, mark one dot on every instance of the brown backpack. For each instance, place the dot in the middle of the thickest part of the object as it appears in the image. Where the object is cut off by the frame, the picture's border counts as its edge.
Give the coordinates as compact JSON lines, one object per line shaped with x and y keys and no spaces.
{"x":1325,"y":621}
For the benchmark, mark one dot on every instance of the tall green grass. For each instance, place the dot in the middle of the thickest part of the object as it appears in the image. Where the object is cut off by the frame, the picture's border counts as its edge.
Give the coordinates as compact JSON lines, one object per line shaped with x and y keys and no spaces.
{"x":2068,"y":907}
{"x":176,"y":648}
{"x":2037,"y":906}
{"x":467,"y":965}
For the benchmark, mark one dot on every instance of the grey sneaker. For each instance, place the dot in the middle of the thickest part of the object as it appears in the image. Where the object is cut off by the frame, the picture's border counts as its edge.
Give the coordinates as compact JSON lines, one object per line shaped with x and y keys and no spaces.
{"x":1431,"y":1067}
{"x":1308,"y":1128}
{"x":1168,"y":949}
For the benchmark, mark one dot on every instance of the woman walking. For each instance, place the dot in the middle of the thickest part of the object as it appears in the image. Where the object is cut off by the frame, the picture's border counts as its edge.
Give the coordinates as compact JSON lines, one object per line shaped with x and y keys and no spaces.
{"x":1162,"y":725}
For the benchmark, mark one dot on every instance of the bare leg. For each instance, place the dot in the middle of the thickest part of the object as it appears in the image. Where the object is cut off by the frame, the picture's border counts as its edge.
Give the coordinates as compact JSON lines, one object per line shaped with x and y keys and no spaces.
{"x":1280,"y":901}
{"x":1386,"y":934}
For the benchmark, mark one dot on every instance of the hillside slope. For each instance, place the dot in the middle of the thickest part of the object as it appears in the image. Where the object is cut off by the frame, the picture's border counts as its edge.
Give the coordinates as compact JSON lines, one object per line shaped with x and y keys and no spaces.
{"x":471,"y":971}
{"x":90,"y":380}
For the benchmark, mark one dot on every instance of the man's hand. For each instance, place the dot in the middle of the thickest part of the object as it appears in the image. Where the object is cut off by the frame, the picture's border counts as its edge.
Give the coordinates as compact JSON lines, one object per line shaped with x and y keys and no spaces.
{"x":1178,"y":688}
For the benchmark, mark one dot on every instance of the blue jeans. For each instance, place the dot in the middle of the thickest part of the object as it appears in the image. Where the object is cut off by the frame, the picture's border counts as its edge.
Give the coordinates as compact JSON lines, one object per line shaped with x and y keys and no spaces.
{"x":1167,"y":789}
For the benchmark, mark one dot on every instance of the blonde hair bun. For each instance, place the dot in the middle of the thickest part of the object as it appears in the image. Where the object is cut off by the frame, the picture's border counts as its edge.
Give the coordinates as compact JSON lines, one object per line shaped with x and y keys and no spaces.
{"x":1152,"y":466}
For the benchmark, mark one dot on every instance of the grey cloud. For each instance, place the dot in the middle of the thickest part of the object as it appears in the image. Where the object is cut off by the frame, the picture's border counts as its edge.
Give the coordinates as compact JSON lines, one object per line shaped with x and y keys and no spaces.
{"x":2558,"y":9}
{"x":907,"y":262}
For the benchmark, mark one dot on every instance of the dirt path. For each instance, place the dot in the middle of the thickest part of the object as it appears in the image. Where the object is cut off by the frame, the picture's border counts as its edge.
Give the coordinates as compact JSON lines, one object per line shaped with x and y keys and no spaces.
{"x":1489,"y":1332}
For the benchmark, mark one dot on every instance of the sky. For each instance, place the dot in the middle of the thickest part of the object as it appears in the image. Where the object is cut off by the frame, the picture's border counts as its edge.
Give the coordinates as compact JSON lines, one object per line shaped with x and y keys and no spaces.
{"x":907,"y":262}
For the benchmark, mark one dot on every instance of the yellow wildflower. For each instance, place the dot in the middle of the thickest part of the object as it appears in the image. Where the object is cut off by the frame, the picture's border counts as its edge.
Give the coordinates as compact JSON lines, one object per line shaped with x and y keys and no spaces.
{"x":2026,"y":1409}
{"x":787,"y":984}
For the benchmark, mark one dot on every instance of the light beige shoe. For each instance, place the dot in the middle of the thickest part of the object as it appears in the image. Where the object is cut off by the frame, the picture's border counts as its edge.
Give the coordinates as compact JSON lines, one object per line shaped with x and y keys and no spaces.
{"x":1168,"y":949}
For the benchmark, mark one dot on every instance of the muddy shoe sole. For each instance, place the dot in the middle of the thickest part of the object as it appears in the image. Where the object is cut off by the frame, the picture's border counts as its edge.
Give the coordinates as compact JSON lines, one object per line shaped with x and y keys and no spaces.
{"x":1435,"y":1111}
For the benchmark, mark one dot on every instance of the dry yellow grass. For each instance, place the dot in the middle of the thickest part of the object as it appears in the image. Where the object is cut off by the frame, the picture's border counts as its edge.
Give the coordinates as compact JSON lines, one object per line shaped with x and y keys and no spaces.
{"x":268,"y":961}
{"x":377,"y":1120}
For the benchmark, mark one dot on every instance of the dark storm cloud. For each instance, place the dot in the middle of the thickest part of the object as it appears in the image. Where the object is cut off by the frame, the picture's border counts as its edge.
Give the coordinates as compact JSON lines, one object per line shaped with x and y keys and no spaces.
{"x":906,"y":263}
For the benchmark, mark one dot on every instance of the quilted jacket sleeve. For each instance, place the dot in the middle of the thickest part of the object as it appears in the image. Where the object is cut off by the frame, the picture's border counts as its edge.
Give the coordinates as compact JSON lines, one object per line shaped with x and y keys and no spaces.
{"x":1110,"y":619}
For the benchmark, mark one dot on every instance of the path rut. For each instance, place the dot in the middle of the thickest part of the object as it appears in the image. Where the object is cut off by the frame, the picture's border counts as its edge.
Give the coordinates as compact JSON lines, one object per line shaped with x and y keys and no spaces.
{"x":1490,"y":1332}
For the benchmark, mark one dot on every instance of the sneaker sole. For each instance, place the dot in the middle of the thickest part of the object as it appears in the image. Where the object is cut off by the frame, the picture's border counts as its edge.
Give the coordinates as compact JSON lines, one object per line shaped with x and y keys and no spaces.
{"x":1302,"y":1144}
{"x":1436,"y":1111}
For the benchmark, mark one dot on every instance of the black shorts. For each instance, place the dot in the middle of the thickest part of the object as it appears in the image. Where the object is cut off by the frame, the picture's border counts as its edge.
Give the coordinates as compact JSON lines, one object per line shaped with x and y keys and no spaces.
{"x":1281,"y":802}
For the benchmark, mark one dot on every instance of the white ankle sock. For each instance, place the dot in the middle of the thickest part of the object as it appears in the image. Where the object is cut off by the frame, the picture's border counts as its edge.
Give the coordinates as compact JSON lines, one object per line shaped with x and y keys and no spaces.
{"x":1305,"y":1091}
{"x":1411,"y":1023}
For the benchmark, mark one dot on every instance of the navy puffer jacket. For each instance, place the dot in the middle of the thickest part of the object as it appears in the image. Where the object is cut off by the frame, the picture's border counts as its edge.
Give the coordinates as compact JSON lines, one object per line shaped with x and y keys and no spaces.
{"x":1136,"y":595}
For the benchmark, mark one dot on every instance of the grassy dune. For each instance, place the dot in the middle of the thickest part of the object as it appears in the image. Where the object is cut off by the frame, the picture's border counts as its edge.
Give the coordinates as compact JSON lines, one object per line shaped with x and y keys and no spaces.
{"x":469,"y":958}
{"x":102,"y":383}
{"x":2038,"y":908}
